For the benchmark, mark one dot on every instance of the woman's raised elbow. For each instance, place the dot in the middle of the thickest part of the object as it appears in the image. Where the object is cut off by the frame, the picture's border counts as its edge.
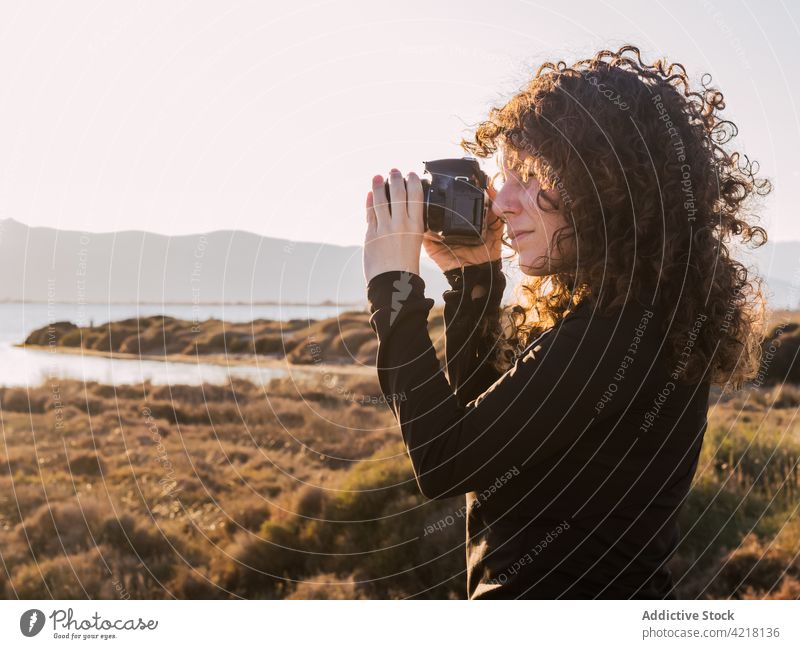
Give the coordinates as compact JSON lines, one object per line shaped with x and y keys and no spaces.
{"x":435,"y":487}
{"x":437,"y":472}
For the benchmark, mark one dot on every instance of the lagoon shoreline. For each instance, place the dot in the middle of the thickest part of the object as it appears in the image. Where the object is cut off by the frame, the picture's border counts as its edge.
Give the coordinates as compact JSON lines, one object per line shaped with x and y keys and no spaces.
{"x":223,"y":360}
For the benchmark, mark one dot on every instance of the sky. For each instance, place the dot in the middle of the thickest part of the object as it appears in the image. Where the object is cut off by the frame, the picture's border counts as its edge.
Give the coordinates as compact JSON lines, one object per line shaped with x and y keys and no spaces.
{"x":272,"y":117}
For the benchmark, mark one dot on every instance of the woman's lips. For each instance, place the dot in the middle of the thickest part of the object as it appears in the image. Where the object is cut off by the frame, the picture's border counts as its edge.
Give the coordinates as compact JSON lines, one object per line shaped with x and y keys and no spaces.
{"x":519,"y":235}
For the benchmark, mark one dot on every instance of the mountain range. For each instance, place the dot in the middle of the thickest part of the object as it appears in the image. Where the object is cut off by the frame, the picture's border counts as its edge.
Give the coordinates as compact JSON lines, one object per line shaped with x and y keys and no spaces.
{"x":41,"y":264}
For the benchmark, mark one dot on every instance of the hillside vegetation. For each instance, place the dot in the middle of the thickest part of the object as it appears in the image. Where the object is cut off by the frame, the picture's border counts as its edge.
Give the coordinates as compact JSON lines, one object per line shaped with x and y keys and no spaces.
{"x":346,"y":338}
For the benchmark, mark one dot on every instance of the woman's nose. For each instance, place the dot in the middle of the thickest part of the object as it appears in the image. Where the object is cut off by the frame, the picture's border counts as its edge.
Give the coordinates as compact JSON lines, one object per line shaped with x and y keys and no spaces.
{"x":503,"y":204}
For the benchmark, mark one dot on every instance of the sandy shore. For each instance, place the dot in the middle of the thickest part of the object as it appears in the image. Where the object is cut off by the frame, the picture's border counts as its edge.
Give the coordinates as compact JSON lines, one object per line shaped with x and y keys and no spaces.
{"x":225,"y":360}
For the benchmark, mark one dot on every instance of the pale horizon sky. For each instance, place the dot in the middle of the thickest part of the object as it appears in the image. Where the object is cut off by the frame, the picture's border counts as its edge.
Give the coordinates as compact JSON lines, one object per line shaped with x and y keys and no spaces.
{"x":187,"y":117}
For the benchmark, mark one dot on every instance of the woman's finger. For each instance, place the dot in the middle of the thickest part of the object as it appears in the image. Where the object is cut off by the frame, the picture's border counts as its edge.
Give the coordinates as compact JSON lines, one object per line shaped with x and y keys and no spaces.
{"x":379,"y":202}
{"x":372,"y":219}
{"x":397,"y":190}
{"x":490,"y":188}
{"x":430,"y":235}
{"x":494,"y":222}
{"x":415,"y":201}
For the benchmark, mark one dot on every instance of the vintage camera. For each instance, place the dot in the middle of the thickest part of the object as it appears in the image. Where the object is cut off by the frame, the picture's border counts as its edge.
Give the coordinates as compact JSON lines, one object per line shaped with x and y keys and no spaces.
{"x":456,"y":201}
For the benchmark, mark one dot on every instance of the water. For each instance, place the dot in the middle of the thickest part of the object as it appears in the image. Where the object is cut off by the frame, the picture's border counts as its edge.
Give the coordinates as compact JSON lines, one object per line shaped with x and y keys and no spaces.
{"x":30,"y":367}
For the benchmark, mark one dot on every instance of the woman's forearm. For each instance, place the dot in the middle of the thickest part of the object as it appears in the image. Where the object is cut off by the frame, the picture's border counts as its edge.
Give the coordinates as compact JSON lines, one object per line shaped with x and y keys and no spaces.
{"x":471,"y":314}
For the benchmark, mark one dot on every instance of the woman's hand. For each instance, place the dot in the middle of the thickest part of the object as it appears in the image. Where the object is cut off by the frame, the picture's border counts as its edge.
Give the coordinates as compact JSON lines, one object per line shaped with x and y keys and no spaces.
{"x":393,"y":240}
{"x":448,"y":257}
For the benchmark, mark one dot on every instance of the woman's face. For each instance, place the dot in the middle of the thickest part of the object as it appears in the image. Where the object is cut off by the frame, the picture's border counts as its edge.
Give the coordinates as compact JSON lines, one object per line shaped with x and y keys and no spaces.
{"x":529,"y":227}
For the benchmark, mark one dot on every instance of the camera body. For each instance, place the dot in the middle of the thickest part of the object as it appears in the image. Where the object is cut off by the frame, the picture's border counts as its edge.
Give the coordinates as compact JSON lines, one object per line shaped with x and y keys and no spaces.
{"x":456,"y":201}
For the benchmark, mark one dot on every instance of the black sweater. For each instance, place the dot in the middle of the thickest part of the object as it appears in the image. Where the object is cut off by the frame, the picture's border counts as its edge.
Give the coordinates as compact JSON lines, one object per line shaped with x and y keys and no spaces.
{"x":574,"y":462}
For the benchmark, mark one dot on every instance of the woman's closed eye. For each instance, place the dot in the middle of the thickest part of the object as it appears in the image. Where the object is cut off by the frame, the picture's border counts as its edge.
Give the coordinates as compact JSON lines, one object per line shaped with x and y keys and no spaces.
{"x":550,"y":202}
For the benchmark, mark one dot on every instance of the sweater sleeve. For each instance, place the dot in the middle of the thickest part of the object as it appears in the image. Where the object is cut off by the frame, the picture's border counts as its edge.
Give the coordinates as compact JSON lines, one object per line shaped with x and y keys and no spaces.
{"x":533,"y":412}
{"x":469,"y":345}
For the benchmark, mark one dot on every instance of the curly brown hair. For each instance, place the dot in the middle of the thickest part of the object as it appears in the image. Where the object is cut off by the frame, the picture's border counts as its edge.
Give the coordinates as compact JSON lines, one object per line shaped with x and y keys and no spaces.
{"x":655,"y":201}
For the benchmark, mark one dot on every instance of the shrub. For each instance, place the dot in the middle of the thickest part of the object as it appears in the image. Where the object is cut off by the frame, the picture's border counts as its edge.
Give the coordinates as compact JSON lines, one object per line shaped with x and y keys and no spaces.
{"x":780,"y":360}
{"x":139,"y":537}
{"x":270,"y":344}
{"x":23,"y":400}
{"x":79,"y":576}
{"x":260,"y":567}
{"x":191,"y":394}
{"x":72,"y":338}
{"x":65,"y":526}
{"x":193,"y":583}
{"x":87,"y":464}
{"x":168,"y":411}
{"x":353,"y":339}
{"x":786,"y":395}
{"x":152,"y":342}
{"x":50,"y":334}
{"x":325,"y":586}
{"x":752,"y":569}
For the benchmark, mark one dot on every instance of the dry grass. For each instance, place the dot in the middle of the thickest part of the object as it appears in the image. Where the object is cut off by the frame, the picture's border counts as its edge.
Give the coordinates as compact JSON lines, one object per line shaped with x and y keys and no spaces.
{"x":183,"y":491}
{"x":304,"y":491}
{"x":741,"y":532}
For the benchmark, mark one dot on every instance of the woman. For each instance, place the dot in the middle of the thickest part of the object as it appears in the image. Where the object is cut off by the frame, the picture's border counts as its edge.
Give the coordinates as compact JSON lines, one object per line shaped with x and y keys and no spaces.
{"x":620,"y":201}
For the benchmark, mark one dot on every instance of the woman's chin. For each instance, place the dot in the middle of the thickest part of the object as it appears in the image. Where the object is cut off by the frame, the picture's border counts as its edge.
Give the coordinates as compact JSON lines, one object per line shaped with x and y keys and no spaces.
{"x":534,"y":272}
{"x":534,"y":267}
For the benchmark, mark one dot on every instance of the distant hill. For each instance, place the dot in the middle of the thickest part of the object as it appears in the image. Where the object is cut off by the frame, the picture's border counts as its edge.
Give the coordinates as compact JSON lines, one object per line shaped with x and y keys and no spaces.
{"x":779,"y":263}
{"x":38,"y":263}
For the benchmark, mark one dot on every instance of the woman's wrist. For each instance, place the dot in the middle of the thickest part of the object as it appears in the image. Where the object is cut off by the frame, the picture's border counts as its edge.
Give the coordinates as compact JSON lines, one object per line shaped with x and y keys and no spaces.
{"x":483,"y":285}
{"x":486,"y":273}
